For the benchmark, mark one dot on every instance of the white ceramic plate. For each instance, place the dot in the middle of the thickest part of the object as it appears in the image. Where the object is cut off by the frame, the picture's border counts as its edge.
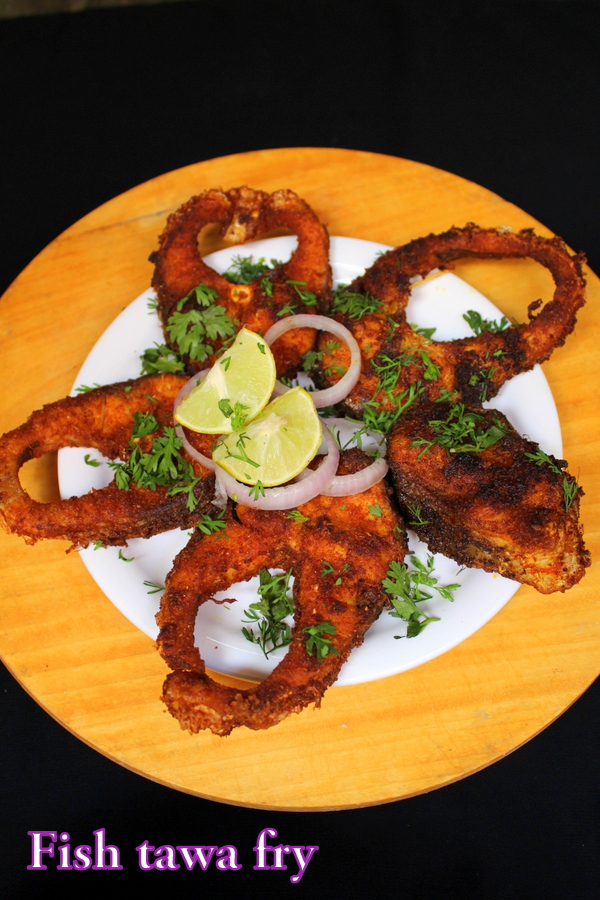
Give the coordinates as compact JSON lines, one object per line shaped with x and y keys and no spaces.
{"x":440,"y":302}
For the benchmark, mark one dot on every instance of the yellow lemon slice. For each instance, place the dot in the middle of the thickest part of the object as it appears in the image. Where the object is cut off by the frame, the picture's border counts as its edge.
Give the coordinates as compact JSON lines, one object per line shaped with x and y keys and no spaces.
{"x":276,"y":445}
{"x":237,"y":387}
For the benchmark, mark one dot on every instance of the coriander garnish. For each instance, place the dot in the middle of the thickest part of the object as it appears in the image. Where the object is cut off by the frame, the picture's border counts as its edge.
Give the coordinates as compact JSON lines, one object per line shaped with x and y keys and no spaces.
{"x":353,"y":304}
{"x":269,"y":612}
{"x":478,"y":324}
{"x":405,"y":587}
{"x":461,"y":433}
{"x":317,"y":642}
{"x":208,"y":525}
{"x":570,"y":486}
{"x":190,"y":330}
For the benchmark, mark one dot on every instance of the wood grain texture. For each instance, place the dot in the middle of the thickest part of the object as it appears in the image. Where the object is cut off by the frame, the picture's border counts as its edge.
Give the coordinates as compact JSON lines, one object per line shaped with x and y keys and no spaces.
{"x":99,"y":677}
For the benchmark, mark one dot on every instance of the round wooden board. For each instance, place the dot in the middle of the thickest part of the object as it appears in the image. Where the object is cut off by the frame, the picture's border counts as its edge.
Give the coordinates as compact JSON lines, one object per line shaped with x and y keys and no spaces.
{"x":99,"y":677}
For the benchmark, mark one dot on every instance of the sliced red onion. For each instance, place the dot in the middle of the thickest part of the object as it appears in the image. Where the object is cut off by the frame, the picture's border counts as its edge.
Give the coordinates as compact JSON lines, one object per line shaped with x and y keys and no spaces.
{"x":206,"y":461}
{"x":291,"y":495}
{"x":339,"y":391}
{"x":346,"y":485}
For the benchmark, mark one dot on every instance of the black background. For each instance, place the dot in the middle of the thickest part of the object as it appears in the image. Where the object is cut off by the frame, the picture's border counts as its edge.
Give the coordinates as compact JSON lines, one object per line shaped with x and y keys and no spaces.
{"x":505,"y":94}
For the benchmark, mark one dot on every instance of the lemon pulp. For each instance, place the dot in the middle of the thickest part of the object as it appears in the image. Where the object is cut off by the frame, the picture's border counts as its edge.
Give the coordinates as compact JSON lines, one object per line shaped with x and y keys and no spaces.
{"x":244,"y":375}
{"x":277,"y":445}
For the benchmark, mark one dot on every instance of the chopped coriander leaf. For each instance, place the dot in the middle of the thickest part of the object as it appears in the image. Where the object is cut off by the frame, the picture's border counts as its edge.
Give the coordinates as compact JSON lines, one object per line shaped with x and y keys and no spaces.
{"x":570,"y":491}
{"x":570,"y":486}
{"x":98,"y":544}
{"x":268,"y":613}
{"x":327,"y":569}
{"x":236,"y":413}
{"x":125,"y":558}
{"x":317,"y":642}
{"x":90,"y":462}
{"x":266,"y":286}
{"x":297,"y":517}
{"x":432,"y":372}
{"x":482,"y":378}
{"x":406,"y":588}
{"x":335,"y":370}
{"x":446,"y":396}
{"x":460,"y":433}
{"x":208,"y":525}
{"x":191,"y":330}
{"x":478,"y":324}
{"x":416,"y":518}
{"x":156,"y":588}
{"x":376,"y":510}
{"x":152,"y":306}
{"x":160,"y":358}
{"x":243,"y":269}
{"x":288,"y":310}
{"x":84,"y":388}
{"x":426,"y":332}
{"x":352,"y":304}
{"x":257,"y":491}
{"x":160,"y":466}
{"x":310,"y":359}
{"x":204,"y":295}
{"x":307,"y":297}
{"x":381,"y":420}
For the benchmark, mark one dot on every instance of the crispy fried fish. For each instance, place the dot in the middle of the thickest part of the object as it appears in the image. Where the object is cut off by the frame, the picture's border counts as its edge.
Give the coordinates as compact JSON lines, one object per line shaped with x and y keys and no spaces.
{"x":339,"y":557}
{"x":476,"y":491}
{"x":302,"y":284}
{"x":399,"y":364}
{"x":102,"y":418}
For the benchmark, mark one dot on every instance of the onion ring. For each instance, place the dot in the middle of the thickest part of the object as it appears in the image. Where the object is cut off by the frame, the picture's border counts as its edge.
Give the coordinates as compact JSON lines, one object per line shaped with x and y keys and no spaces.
{"x":337,"y":392}
{"x":357,"y":483}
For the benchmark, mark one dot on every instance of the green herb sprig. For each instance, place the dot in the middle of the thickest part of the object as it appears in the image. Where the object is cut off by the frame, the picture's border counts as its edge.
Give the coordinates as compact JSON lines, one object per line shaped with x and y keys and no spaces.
{"x":160,"y":466}
{"x":461,"y":433}
{"x":318,"y":643}
{"x":353,"y":304}
{"x":269,"y":611}
{"x":160,"y":358}
{"x":478,"y":324}
{"x":191,"y":330}
{"x":570,"y":486}
{"x":409,"y":586}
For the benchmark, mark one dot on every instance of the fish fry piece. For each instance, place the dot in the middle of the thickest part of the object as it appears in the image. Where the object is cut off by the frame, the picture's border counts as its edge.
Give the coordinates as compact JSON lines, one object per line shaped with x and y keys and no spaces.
{"x":473,"y":369}
{"x":339,"y":558}
{"x":244,"y":215}
{"x":101,"y":418}
{"x":507,"y":508}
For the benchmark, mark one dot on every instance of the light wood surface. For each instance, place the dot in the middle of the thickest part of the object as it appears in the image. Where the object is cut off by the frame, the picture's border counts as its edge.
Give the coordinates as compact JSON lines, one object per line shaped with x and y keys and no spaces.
{"x":101,"y":678}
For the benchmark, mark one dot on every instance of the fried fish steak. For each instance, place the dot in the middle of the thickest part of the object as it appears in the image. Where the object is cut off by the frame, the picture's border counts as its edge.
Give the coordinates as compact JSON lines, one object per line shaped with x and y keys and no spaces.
{"x":103,"y":419}
{"x":302,"y":284}
{"x":398,"y":361}
{"x":507,"y":508}
{"x":339,"y":557}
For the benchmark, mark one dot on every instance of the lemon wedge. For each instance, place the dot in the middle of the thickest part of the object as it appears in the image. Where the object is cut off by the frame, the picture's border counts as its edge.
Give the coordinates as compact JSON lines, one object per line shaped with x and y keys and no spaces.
{"x":275,"y":446}
{"x":237,"y":387}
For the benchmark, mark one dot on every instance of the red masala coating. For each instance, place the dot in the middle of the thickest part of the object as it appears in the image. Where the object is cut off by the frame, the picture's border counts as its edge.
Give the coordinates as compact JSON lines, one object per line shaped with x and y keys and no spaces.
{"x":473,"y":368}
{"x":244,"y":215}
{"x":496,"y":509}
{"x":101,"y":418}
{"x":351,"y":536}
